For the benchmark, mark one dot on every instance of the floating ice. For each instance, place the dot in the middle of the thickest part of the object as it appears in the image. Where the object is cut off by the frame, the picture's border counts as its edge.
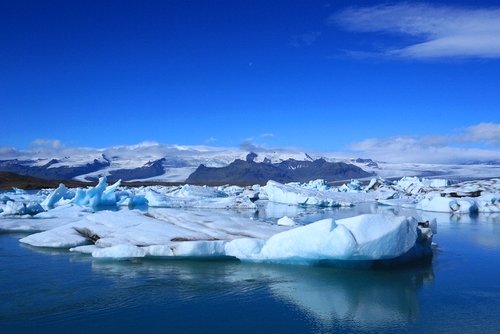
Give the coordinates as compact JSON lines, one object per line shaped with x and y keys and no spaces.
{"x":353,"y":186}
{"x":173,"y":232}
{"x":101,"y":195}
{"x":414,"y":185}
{"x":446,"y":204}
{"x":4,"y":199}
{"x":295,"y":194}
{"x":60,"y":193}
{"x":182,"y":200}
{"x":488,"y":203}
{"x":12,"y":208}
{"x":286,"y":221}
{"x":364,"y":237}
{"x":195,"y":221}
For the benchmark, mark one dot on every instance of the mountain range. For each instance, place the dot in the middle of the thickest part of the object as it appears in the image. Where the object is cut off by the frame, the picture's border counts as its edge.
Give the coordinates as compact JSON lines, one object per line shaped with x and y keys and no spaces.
{"x":151,"y":162}
{"x":248,"y":172}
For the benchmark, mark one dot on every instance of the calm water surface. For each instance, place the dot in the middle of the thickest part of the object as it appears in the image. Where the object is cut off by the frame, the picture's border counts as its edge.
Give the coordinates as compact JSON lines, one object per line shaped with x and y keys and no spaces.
{"x":45,"y":291}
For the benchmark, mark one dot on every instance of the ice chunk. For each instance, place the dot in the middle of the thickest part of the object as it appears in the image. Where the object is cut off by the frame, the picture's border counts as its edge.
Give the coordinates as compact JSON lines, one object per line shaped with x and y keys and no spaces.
{"x":286,"y":221}
{"x":437,"y":183}
{"x":188,"y":190}
{"x":101,"y":195}
{"x":156,"y":199}
{"x":410,"y":185}
{"x":18,"y":191}
{"x":353,"y":186}
{"x":488,"y":203}
{"x":57,"y":195}
{"x":414,"y":185}
{"x":296,"y":195}
{"x":446,"y":204}
{"x":318,"y":184}
{"x":19,"y":208}
{"x":4,"y":199}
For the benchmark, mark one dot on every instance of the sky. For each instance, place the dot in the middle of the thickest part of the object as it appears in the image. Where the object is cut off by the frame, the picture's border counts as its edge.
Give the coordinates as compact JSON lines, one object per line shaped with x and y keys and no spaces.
{"x":388,"y":80}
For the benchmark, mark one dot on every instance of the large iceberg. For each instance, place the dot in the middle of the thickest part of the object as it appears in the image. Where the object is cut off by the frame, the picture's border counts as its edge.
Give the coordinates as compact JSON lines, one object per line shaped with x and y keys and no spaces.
{"x":174,"y":233}
{"x":368,"y":237}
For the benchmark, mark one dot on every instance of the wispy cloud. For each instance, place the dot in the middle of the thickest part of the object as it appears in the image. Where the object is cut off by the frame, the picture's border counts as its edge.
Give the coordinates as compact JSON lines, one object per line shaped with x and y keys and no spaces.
{"x":478,"y":142}
{"x":266,"y":135}
{"x":210,"y":140}
{"x":306,"y":39}
{"x":441,"y":31}
{"x":483,"y":132}
{"x":47,"y":143}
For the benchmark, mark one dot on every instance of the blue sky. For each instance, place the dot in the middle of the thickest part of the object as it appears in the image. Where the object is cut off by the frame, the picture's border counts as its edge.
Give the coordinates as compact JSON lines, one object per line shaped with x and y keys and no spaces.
{"x":317,"y":75}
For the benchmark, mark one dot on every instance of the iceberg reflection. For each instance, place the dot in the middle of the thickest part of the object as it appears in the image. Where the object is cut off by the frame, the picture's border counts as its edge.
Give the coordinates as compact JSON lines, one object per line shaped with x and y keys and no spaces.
{"x":328,"y":296}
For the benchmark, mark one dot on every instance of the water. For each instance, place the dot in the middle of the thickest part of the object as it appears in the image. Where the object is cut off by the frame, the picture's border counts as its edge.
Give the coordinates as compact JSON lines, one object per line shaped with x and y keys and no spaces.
{"x":57,"y":291}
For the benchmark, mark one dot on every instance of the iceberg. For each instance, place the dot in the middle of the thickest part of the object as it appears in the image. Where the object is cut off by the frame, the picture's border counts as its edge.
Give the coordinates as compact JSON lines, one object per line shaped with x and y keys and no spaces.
{"x":286,"y":221}
{"x":437,"y":203}
{"x":414,"y":185}
{"x":368,"y":237}
{"x":12,"y":208}
{"x":295,"y":194}
{"x":60,"y":193}
{"x":101,"y":195}
{"x":178,"y":233}
{"x":489,"y":203}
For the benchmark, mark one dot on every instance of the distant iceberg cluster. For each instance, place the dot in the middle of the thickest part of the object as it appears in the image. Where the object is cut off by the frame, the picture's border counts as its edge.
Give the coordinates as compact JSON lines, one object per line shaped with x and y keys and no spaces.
{"x":111,"y":221}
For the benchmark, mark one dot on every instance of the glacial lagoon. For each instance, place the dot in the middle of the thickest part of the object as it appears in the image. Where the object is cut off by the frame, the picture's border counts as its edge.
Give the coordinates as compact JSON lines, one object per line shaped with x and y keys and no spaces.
{"x":47,"y":290}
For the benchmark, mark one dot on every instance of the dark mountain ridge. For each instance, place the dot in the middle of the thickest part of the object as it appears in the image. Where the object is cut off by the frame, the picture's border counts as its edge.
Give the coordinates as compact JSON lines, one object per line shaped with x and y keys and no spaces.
{"x":27,"y":167}
{"x":249,"y":172}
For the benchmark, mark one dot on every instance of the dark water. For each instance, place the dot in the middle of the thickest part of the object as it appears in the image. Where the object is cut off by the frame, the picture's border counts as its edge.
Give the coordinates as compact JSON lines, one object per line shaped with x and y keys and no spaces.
{"x":60,"y":292}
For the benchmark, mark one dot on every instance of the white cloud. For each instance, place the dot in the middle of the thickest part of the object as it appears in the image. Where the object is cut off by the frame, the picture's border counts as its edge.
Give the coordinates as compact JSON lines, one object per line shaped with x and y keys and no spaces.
{"x":210,"y":140}
{"x":484,"y":132}
{"x":266,"y":135}
{"x":47,"y":143}
{"x":478,"y":142}
{"x":8,"y":152}
{"x":442,"y":31}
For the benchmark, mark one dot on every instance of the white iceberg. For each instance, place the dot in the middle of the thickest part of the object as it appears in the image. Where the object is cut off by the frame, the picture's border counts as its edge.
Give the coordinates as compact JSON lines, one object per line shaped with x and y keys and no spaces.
{"x":488,"y":203}
{"x":174,"y":233}
{"x":286,"y":221}
{"x":415,"y":186}
{"x":295,"y":194}
{"x":60,"y":193}
{"x":437,"y":203}
{"x":12,"y":208}
{"x":364,"y":237}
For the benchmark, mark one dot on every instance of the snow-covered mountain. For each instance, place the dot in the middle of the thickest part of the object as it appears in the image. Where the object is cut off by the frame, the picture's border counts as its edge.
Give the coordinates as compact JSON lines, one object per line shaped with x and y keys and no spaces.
{"x":145,"y":162}
{"x":175,"y":163}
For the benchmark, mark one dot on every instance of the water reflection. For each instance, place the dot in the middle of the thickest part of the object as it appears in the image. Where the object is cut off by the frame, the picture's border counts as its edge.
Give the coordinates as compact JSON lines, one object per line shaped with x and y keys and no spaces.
{"x":328,"y":295}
